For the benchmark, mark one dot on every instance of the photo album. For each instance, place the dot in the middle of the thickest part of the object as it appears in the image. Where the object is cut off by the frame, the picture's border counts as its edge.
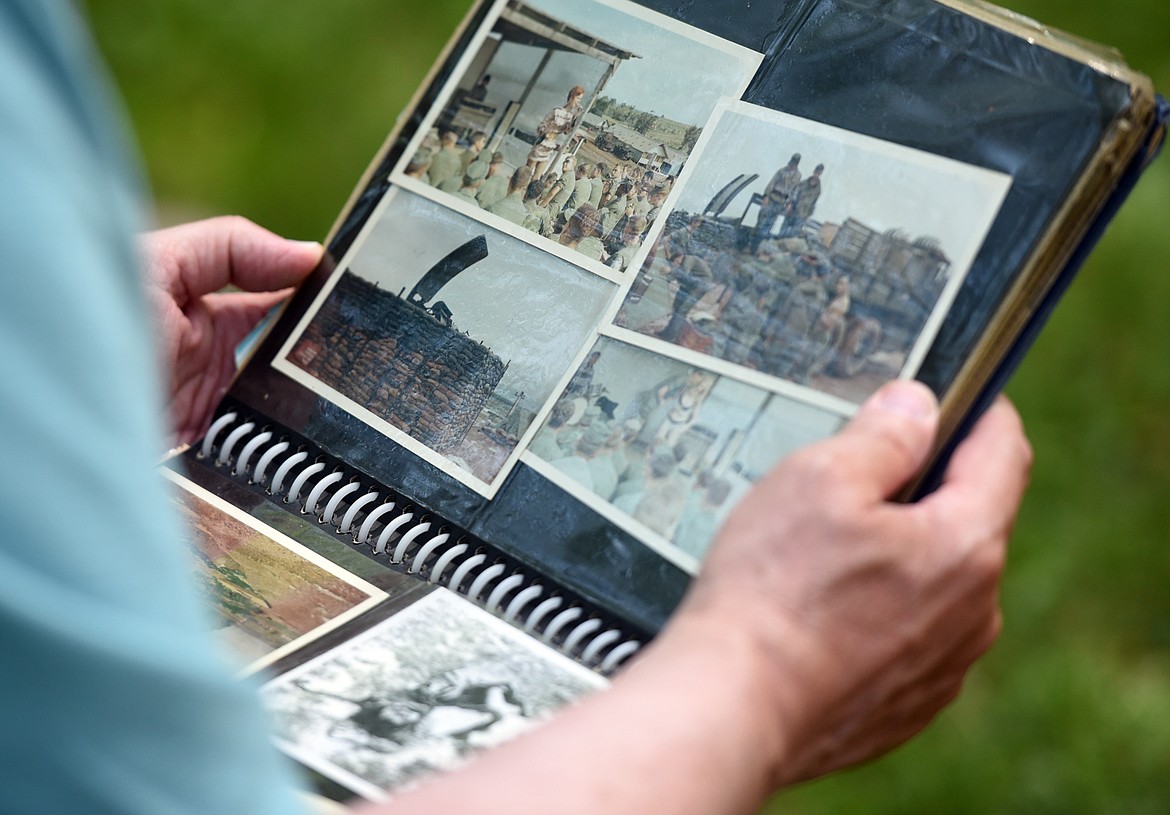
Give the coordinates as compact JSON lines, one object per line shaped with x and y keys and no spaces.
{"x":616,"y":261}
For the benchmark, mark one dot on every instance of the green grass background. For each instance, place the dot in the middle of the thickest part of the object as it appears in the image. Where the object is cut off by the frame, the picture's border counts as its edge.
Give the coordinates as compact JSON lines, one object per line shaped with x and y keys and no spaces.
{"x":272,"y":108}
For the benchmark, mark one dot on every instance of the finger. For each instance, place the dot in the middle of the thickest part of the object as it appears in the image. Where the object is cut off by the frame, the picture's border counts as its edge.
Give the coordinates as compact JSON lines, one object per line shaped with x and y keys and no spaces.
{"x":198,"y":258}
{"x":237,"y":313}
{"x":988,"y":473}
{"x":885,"y":443}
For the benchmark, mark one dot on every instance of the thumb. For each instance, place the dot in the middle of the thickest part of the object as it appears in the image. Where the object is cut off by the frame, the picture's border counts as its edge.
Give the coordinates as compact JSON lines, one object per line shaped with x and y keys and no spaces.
{"x":889,"y":438}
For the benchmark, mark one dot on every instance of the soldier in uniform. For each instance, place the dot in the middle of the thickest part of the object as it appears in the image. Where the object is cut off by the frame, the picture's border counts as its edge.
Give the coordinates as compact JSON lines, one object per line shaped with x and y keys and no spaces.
{"x":693,"y":279}
{"x":512,"y":205}
{"x":472,"y":180}
{"x":801,"y":203}
{"x":495,"y":186}
{"x":741,"y":319}
{"x":628,"y":244}
{"x":474,"y":149}
{"x":556,"y":198}
{"x":581,"y":190}
{"x":775,"y":200}
{"x":447,"y":163}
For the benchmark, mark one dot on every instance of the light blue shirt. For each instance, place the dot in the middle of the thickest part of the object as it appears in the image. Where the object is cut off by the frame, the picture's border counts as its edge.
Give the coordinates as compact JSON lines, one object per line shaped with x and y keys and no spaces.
{"x":112,"y":698}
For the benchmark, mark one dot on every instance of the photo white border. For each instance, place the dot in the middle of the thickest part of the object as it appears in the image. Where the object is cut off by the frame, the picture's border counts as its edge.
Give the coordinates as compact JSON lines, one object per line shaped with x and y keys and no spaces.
{"x":281,"y":363}
{"x":448,"y":604}
{"x":665,"y":547}
{"x":376,"y":595}
{"x":808,"y":127}
{"x":750,"y":376}
{"x":751,"y":60}
{"x":645,"y":535}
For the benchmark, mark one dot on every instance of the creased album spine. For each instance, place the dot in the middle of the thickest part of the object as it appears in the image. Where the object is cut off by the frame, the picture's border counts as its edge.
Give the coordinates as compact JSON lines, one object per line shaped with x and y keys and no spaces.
{"x":367,"y":514}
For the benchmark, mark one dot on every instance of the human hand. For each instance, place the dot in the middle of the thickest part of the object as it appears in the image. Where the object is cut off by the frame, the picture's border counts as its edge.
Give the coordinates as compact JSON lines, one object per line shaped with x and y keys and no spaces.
{"x":861,"y":616}
{"x":199,"y":326}
{"x":828,"y":625}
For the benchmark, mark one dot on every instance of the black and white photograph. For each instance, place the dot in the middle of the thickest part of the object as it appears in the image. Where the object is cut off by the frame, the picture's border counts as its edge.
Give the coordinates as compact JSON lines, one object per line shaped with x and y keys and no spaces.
{"x":665,"y":449}
{"x":571,"y":120}
{"x":810,"y":253}
{"x":445,"y":335}
{"x":418,"y":693}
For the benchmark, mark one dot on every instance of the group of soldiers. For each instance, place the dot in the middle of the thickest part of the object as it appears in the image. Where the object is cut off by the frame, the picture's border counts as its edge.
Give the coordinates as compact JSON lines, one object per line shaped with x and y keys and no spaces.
{"x":634,"y":455}
{"x":601,"y":210}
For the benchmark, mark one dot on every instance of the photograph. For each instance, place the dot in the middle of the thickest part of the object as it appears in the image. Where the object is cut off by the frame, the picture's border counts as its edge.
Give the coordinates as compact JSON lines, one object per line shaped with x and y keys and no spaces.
{"x":665,"y":449}
{"x":271,"y":594}
{"x":572,"y":119}
{"x":418,"y":693}
{"x":445,"y":335}
{"x":810,"y":253}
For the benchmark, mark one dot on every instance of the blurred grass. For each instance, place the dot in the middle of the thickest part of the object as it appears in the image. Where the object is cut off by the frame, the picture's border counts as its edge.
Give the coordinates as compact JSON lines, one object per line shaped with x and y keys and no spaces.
{"x":273,"y":109}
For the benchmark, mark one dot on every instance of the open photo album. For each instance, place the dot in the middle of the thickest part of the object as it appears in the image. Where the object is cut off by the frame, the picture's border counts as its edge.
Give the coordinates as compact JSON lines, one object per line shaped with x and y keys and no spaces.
{"x":615,"y":262}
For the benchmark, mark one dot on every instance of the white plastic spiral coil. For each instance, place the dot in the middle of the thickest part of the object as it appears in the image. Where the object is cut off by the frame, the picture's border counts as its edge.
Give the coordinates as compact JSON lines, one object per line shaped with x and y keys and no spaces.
{"x":374,"y":518}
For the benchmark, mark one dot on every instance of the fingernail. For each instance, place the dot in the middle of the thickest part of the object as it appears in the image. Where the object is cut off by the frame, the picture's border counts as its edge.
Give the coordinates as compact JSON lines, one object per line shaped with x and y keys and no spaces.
{"x":908,"y":398}
{"x":311,"y":245}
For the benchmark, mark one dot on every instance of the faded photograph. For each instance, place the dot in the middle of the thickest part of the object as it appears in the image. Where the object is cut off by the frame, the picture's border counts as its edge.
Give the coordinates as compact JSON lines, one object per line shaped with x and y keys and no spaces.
{"x":267,"y":594}
{"x":419,"y":693}
{"x":812,"y":254}
{"x":446,"y":331}
{"x":575,"y":118}
{"x":668,"y":445}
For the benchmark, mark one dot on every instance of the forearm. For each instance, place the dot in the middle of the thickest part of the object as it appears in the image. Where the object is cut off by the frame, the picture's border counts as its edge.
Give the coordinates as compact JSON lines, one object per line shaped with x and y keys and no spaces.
{"x":689,"y":711}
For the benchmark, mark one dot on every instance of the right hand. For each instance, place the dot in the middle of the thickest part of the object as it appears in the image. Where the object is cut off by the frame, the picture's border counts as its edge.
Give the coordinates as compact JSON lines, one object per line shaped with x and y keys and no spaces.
{"x":862,"y":615}
{"x":829,"y":624}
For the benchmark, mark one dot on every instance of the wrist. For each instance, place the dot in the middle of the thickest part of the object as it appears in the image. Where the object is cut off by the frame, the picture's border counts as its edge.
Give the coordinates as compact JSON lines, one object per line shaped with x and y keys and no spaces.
{"x":733,"y":684}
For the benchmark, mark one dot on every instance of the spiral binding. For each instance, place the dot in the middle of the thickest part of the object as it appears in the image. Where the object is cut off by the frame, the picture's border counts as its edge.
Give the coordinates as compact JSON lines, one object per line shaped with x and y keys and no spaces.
{"x":367,"y":514}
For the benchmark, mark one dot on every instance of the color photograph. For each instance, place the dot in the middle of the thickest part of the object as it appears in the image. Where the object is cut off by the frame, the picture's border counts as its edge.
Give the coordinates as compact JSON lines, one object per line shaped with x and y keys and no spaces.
{"x":572,"y":120}
{"x":665,"y":449}
{"x":812,"y":254}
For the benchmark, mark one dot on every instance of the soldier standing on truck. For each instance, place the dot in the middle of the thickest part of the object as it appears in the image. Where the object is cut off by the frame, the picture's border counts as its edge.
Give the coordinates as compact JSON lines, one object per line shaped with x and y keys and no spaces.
{"x":801,"y":203}
{"x":775,"y":200}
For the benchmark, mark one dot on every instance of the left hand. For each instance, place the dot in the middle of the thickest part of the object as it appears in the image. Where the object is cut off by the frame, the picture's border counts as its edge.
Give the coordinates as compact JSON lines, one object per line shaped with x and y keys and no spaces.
{"x":199,"y":326}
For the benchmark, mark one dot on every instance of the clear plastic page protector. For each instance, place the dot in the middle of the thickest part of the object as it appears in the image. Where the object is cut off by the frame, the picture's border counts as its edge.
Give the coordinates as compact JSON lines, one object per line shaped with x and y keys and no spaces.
{"x":910,"y":73}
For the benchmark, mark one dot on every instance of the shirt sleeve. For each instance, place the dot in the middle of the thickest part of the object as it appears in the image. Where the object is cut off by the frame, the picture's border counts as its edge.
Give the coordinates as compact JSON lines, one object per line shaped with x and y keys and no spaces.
{"x":114,"y":699}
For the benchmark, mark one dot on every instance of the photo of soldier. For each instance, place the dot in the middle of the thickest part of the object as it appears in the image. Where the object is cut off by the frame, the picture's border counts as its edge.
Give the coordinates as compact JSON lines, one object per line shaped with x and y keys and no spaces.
{"x":474,"y":149}
{"x":667,"y":446}
{"x":801,"y":203}
{"x":582,"y":232}
{"x":473,"y":178}
{"x":560,"y":121}
{"x":838,"y":296}
{"x":629,"y":241}
{"x":604,"y":95}
{"x":447,"y":163}
{"x":775,"y":200}
{"x":495,"y":185}
{"x":511,"y":207}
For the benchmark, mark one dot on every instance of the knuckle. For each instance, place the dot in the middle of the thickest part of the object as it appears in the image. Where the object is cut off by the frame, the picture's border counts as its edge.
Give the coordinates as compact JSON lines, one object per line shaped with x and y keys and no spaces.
{"x":896,"y":443}
{"x":819,"y":467}
{"x":235,"y":222}
{"x":989,"y":557}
